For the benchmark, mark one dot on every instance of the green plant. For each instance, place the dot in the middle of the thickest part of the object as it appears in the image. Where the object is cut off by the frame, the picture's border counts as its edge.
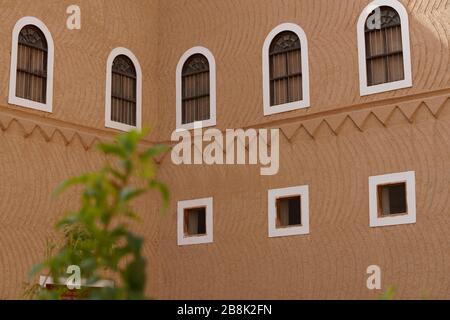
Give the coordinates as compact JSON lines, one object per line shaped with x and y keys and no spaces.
{"x":389,"y":294}
{"x":97,"y":237}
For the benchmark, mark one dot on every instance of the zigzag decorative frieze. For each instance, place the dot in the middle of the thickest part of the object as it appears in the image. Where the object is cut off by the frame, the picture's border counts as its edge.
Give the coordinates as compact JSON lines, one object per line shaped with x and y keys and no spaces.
{"x":55,"y":134}
{"x":28,"y":128}
{"x":325,"y":125}
{"x":384,"y":115}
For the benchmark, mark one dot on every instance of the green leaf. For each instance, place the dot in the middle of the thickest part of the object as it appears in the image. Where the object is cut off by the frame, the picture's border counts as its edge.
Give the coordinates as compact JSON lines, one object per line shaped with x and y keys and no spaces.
{"x":129,"y":141}
{"x":134,"y":275}
{"x":127,"y":164}
{"x":132,"y":215}
{"x":134,"y":242}
{"x":72,"y":182}
{"x":108,"y":148}
{"x":129,"y":193}
{"x":389,"y":294}
{"x":118,"y":175}
{"x":154,"y":151}
{"x":36,"y":269}
{"x":67,"y":221}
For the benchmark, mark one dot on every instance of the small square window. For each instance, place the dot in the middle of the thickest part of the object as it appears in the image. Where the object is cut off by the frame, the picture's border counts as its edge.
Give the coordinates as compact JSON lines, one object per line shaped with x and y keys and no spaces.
{"x":392,"y":199}
{"x":195,"y":221}
{"x":288,"y":211}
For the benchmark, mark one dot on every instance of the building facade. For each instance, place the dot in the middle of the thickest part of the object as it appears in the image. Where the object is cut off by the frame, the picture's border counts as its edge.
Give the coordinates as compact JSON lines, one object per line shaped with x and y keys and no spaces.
{"x":351,"y":138}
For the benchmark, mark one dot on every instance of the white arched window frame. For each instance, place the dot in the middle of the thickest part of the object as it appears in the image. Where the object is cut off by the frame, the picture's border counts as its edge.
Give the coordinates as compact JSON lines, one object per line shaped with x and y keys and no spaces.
{"x":13,"y":98}
{"x":212,"y":90}
{"x":305,"y":102}
{"x":404,"y":20}
{"x":108,"y":122}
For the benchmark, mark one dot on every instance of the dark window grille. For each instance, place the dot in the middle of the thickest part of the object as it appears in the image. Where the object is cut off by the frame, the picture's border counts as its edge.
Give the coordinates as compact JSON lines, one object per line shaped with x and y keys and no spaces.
{"x":123,"y":93}
{"x":285,"y":69}
{"x":195,"y":89}
{"x":32,"y":53}
{"x":384,"y":48}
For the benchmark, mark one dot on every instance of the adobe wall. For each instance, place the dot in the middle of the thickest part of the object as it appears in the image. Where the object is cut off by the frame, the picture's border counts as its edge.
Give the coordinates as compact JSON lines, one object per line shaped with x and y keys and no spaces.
{"x":334,"y":147}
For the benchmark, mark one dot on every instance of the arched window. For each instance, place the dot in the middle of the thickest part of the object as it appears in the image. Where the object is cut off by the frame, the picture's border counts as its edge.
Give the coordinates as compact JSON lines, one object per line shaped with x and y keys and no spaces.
{"x":31,"y":81}
{"x":384,"y":50}
{"x":31,"y":65}
{"x":123,"y":93}
{"x":383,"y":38}
{"x":196,"y":89}
{"x":285,"y":70}
{"x":123,"y":100}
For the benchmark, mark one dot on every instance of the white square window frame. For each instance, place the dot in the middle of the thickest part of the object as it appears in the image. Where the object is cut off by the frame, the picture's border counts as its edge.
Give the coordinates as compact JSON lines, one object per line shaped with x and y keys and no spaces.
{"x":365,"y":89}
{"x":13,"y":99}
{"x":300,"y":104}
{"x":375,"y":220}
{"x":273,"y":195}
{"x":183,"y":239}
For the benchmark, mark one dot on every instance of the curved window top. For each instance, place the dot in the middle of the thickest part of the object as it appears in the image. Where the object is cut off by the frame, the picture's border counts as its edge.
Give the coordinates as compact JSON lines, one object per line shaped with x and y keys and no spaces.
{"x":31,"y":35}
{"x":197,"y":63}
{"x":285,"y":70}
{"x":388,"y":18}
{"x":384,"y":47}
{"x":123,"y":65}
{"x":284,"y":42}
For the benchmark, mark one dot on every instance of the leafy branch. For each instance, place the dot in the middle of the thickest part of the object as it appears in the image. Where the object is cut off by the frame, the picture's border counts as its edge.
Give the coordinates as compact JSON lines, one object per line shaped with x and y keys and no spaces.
{"x":97,"y":237}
